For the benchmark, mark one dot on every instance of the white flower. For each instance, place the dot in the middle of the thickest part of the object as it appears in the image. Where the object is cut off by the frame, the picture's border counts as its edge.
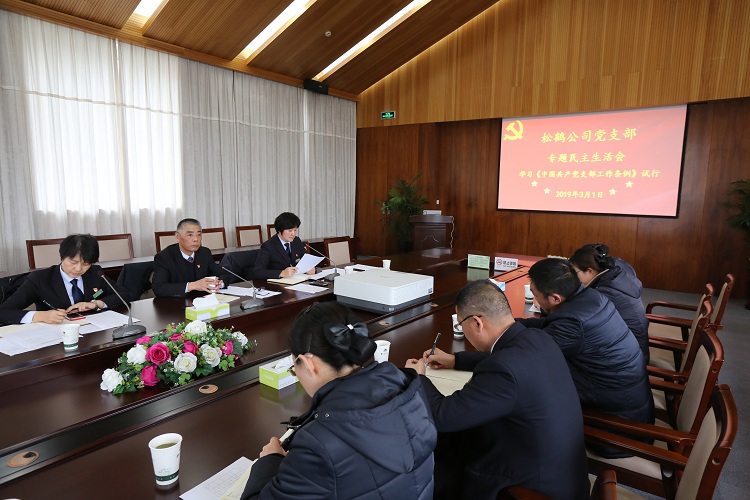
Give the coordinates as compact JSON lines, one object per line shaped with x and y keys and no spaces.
{"x":239,"y":336}
{"x":212,"y":355}
{"x":186,"y":362}
{"x":195,"y":327}
{"x":137,"y":354}
{"x":111,"y":378}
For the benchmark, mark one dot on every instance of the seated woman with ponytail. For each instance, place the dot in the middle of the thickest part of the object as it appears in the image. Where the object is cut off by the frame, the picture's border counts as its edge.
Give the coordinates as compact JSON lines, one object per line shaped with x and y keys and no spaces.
{"x":615,"y":279}
{"x":368,"y":433}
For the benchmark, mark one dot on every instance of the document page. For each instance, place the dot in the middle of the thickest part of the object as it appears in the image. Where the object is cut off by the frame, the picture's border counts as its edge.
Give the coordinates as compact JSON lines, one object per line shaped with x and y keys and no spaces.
{"x":105,"y":320}
{"x":301,"y":287}
{"x":25,"y":338}
{"x":307,"y":262}
{"x":227,"y":484}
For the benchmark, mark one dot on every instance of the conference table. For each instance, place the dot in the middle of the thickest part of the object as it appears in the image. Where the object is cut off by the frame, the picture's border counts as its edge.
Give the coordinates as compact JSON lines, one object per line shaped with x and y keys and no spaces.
{"x":93,"y":444}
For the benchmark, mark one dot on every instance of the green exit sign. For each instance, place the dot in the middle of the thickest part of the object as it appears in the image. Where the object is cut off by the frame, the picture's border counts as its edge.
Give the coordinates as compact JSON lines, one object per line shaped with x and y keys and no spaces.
{"x":387,"y":115}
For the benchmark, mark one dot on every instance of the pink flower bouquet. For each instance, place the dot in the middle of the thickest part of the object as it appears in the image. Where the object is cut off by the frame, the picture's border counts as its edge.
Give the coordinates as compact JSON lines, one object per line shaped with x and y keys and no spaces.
{"x":176,"y":356}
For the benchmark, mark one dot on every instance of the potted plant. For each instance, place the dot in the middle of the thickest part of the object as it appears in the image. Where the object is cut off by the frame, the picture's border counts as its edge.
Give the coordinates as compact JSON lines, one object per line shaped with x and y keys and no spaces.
{"x":740,"y":200}
{"x":404,"y":200}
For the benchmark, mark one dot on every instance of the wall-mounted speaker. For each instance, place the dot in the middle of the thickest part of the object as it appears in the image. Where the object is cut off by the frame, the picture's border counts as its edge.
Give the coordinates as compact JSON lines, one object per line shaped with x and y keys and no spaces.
{"x":315,"y":86}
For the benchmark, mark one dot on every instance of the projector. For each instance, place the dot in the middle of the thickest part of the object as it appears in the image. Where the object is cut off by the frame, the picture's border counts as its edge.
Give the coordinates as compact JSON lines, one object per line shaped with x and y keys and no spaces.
{"x":382,"y":290}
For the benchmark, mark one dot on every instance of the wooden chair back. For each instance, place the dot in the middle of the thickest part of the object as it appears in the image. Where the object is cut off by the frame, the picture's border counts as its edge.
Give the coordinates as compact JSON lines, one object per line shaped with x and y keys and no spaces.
{"x":721,"y":301}
{"x":271,"y":230}
{"x":676,"y":327}
{"x":704,"y":374}
{"x":700,"y":321}
{"x":115,"y":246}
{"x":43,"y":253}
{"x":164,"y":239}
{"x":248,"y":235}
{"x":339,"y":249}
{"x":711,"y":449}
{"x":214,"y":237}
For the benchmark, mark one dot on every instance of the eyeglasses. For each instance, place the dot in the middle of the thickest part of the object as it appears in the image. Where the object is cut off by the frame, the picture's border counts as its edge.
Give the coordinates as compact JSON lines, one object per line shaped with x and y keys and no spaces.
{"x":467,"y":317}
{"x":291,"y":369}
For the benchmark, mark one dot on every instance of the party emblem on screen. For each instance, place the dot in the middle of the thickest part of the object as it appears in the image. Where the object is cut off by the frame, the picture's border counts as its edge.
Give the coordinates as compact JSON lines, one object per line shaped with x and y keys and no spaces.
{"x":515,"y":130}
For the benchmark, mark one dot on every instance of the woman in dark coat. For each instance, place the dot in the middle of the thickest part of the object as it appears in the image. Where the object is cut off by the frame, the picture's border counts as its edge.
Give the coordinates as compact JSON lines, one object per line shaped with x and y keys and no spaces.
{"x":615,"y":279}
{"x":369,"y":432}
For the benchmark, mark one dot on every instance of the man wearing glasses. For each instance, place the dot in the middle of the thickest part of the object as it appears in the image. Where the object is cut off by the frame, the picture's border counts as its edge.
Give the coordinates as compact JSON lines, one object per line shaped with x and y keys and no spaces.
{"x":518,"y":420}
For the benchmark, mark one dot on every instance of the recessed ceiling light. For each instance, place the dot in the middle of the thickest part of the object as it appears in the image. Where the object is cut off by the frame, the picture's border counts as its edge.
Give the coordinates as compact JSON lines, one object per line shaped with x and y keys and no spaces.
{"x":147,"y":7}
{"x":373,"y":37}
{"x":277,"y":27}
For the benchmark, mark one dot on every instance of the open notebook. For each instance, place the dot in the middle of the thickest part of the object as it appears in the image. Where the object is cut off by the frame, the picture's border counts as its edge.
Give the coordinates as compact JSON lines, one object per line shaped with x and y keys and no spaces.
{"x":448,"y":381}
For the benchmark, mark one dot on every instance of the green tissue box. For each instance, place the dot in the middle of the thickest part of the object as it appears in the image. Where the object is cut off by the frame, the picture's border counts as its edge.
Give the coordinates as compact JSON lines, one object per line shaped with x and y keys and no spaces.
{"x":205,"y":313}
{"x":276,"y":377}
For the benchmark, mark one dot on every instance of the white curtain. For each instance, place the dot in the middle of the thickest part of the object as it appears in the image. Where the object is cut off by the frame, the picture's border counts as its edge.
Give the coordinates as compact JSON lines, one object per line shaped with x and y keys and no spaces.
{"x":105,"y":137}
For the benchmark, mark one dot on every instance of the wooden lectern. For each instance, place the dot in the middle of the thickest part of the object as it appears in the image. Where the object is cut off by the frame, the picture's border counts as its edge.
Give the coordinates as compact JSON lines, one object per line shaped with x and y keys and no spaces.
{"x":430,"y":231}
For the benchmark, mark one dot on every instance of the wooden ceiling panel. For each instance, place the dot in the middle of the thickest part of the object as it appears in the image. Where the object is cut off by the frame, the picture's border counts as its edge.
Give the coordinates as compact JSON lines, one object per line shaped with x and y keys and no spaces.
{"x":113,"y":13}
{"x":424,"y":28}
{"x":303,"y":50}
{"x":218,"y":27}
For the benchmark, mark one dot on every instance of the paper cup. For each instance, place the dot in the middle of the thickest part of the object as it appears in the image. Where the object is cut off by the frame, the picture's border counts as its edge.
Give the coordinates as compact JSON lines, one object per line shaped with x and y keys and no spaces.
{"x":70,"y":336}
{"x":458,"y":330}
{"x":165,"y":454}
{"x":381,"y":352}
{"x":386,"y":264}
{"x":349,"y":269}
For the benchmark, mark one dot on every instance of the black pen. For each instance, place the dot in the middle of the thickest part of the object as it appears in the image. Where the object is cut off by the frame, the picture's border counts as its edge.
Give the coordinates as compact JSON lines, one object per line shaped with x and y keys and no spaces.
{"x":434,"y":344}
{"x":53,"y":308}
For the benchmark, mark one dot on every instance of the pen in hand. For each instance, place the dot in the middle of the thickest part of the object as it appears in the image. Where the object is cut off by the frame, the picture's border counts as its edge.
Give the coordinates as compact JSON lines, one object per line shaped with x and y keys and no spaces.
{"x":52,"y":308}
{"x":434,"y":345}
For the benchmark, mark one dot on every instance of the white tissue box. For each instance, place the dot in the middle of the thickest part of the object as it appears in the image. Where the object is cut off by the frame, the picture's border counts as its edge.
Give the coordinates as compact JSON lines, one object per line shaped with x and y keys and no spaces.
{"x":204,"y":313}
{"x":275,"y":376}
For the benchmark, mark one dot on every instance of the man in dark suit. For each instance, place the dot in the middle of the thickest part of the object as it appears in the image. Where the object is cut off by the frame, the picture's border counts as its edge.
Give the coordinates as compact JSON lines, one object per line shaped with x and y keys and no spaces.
{"x":279,"y":255}
{"x":75,"y":285}
{"x":603,"y":355}
{"x":186,"y":266}
{"x":518,"y":420}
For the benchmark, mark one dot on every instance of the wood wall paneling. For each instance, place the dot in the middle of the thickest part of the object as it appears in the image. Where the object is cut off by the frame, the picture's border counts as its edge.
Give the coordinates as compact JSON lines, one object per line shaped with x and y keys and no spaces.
{"x":459,"y":161}
{"x":721,"y":250}
{"x":535,"y":57}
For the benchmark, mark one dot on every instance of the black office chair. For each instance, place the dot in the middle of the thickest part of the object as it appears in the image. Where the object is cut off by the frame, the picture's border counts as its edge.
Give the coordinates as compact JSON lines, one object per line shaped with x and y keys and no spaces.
{"x":241,"y":263}
{"x":10,"y":284}
{"x":136,"y":278}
